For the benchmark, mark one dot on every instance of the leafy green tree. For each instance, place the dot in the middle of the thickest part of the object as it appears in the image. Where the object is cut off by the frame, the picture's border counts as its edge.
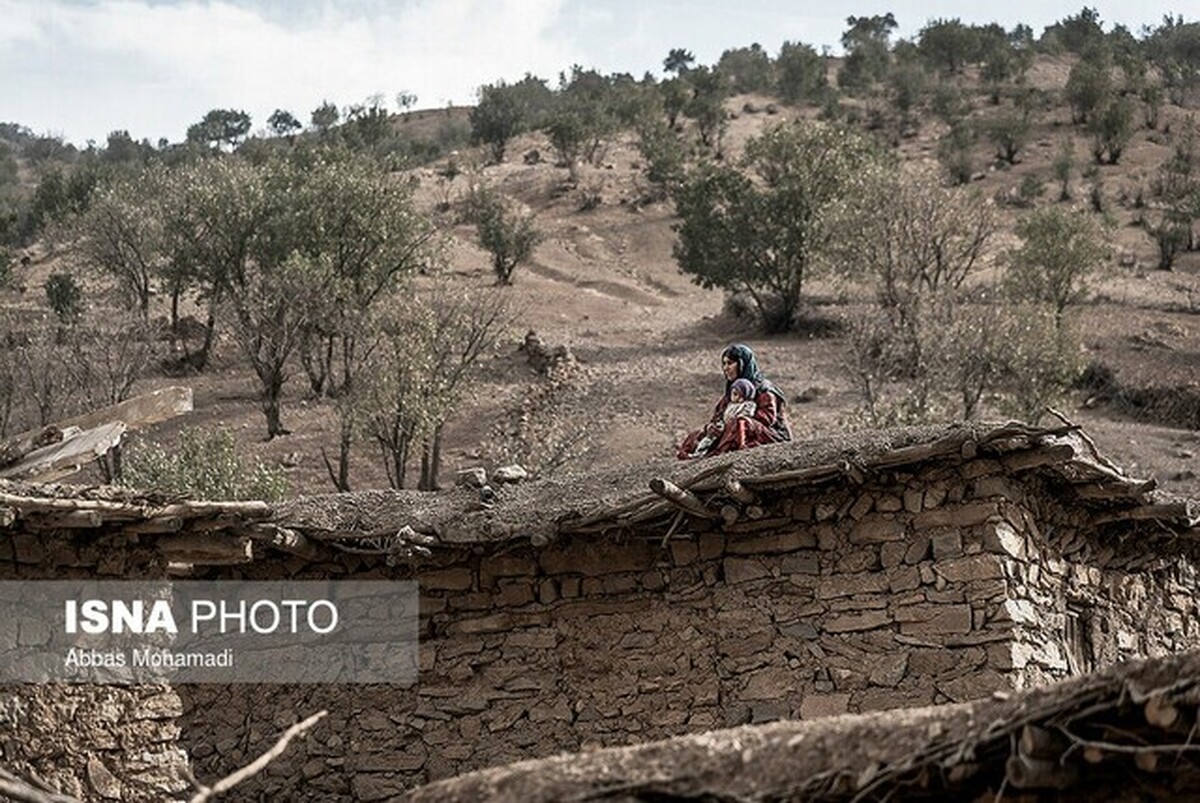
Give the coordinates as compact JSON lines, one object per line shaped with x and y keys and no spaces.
{"x":800,"y":73}
{"x":678,"y":61}
{"x":506,"y":110}
{"x":325,"y":116}
{"x":1112,"y":129}
{"x":866,"y":41}
{"x":1176,"y":188}
{"x":746,"y":69}
{"x":510,"y":236}
{"x":65,"y":297}
{"x":121,"y":235}
{"x":1064,"y":166}
{"x":1060,"y":251}
{"x":368,"y":235}
{"x":663,"y":153}
{"x":1008,"y":131}
{"x":706,"y":105}
{"x":956,"y":151}
{"x":676,"y":92}
{"x":1089,"y":87}
{"x":947,"y":45}
{"x":283,"y":123}
{"x":1174,"y":49}
{"x":1079,"y":32}
{"x":763,"y":227}
{"x":581,"y":117}
{"x":220,"y":127}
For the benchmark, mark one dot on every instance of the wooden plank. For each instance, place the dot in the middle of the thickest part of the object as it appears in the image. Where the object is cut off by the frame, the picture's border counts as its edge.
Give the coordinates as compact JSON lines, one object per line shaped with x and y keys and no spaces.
{"x":138,"y":412}
{"x":74,"y":452}
{"x":207,"y":549}
{"x":14,"y":448}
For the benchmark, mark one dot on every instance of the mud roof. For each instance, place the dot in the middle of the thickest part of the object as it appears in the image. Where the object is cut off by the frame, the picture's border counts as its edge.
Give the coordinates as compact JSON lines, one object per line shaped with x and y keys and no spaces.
{"x":1124,"y":734}
{"x":645,"y":499}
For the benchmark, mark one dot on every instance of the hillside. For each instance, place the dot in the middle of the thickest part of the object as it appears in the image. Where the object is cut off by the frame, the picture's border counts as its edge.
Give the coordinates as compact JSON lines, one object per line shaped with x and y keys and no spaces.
{"x":604,"y":283}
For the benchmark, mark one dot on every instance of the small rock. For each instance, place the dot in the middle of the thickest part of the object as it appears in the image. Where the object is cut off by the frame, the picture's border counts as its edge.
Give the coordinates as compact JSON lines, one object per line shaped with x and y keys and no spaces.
{"x":475,"y":477}
{"x":291,"y":459}
{"x":510,"y":474}
{"x":103,"y":782}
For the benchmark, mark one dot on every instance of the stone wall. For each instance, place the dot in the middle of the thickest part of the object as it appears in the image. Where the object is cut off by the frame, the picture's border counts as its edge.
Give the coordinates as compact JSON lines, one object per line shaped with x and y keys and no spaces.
{"x":94,"y":742}
{"x":1074,"y":612}
{"x":907,"y":588}
{"x":901,"y":591}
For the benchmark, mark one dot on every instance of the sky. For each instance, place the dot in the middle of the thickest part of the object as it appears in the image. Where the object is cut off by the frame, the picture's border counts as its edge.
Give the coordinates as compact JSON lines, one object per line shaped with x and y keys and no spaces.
{"x":79,"y":69}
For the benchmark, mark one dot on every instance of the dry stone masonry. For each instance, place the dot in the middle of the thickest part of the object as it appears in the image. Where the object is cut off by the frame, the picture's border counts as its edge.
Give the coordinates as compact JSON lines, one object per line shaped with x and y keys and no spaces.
{"x":921,"y":568}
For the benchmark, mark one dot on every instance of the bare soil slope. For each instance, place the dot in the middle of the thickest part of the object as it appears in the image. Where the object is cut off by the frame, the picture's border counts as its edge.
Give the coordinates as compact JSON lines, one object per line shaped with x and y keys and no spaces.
{"x":647,"y":339}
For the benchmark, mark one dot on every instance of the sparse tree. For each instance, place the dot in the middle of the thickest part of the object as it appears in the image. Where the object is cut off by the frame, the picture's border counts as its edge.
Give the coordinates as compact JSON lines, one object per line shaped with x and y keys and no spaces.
{"x":799,"y":73}
{"x":1064,"y":166}
{"x":762,"y":227}
{"x":678,"y":61}
{"x":283,"y":123}
{"x":1061,"y":250}
{"x":220,"y":127}
{"x":325,"y":116}
{"x":1008,"y":131}
{"x":507,"y":234}
{"x":506,"y":110}
{"x":746,"y":69}
{"x":1111,"y":130}
{"x":406,"y":100}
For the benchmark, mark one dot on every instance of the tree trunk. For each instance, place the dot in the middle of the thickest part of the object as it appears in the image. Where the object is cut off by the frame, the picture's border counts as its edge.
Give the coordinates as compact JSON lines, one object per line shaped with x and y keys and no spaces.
{"x":431,"y":461}
{"x":272,"y":392}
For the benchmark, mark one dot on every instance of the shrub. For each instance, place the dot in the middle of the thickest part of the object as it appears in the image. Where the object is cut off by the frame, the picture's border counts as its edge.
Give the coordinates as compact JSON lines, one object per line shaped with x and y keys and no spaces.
{"x":204,"y":465}
{"x":64,"y":296}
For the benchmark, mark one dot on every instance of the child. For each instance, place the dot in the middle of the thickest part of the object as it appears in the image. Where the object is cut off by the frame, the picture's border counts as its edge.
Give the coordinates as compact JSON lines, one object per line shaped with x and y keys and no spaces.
{"x":741,"y":405}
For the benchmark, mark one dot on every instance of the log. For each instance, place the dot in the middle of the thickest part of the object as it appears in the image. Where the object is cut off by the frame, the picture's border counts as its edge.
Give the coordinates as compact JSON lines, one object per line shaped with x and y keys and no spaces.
{"x":738,"y":492}
{"x":1040,"y":743}
{"x":74,"y":520}
{"x":165,"y":524}
{"x":1033,"y":458}
{"x":684,"y":500}
{"x":7,"y":516}
{"x":729,"y":515}
{"x":286,"y":540}
{"x":1034,"y":773}
{"x":1160,"y":713}
{"x":207,"y":549}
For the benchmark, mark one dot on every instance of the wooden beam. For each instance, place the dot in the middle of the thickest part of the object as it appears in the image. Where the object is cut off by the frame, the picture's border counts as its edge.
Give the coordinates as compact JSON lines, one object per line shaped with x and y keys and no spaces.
{"x":14,"y":448}
{"x":738,"y":492}
{"x":287,"y":540}
{"x":73,"y":520}
{"x":69,"y":455}
{"x":138,"y":412}
{"x":206,"y":549}
{"x":684,"y":500}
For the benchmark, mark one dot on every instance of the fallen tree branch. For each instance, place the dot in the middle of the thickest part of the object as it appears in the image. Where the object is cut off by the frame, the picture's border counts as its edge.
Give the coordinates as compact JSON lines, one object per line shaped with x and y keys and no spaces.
{"x":19,"y":789}
{"x":206,"y":793}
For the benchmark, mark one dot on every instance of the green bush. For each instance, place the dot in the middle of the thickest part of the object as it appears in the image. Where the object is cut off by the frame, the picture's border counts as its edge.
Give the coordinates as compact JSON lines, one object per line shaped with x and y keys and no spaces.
{"x":64,"y":296}
{"x":204,"y":465}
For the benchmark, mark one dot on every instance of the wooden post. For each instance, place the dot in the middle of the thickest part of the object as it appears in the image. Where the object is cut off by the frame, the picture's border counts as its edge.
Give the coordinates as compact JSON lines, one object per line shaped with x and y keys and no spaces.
{"x":684,"y":500}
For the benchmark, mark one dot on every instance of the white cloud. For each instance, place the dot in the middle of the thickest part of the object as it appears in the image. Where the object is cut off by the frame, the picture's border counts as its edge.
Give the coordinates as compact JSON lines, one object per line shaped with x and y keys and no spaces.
{"x":85,"y":69}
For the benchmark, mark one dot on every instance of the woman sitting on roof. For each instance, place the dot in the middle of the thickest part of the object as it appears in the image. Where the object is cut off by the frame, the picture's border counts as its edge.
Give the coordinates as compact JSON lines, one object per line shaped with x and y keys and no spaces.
{"x":768,"y":424}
